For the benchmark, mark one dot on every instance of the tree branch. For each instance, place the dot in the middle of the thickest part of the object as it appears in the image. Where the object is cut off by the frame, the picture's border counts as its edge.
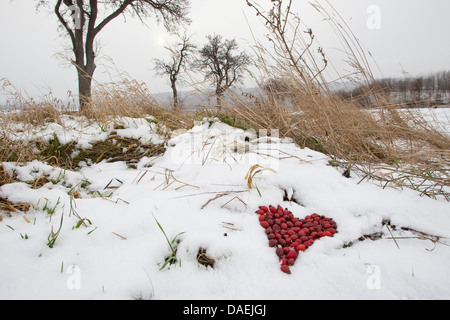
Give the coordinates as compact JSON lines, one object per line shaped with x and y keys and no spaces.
{"x":112,"y":16}
{"x":64,"y":23}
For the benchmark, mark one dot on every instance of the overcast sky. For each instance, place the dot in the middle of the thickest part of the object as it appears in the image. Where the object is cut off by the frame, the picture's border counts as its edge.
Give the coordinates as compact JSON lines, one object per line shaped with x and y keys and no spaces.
{"x":403,"y":36}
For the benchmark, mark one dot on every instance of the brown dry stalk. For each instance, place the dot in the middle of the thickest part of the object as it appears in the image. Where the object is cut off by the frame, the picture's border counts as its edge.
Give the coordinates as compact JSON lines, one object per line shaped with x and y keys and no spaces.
{"x":253,"y":171}
{"x":8,"y":206}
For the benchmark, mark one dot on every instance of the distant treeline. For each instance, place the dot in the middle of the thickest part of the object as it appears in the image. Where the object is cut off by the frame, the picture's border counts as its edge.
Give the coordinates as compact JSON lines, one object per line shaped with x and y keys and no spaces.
{"x":421,"y":91}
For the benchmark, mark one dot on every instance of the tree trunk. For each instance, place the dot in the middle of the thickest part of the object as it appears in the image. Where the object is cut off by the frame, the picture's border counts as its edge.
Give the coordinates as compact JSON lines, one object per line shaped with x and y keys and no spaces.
{"x":176,"y":103}
{"x":84,"y":89}
{"x":220,"y":90}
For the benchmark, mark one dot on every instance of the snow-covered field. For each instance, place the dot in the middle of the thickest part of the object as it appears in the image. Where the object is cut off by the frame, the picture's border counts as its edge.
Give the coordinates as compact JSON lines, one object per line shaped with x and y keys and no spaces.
{"x":105,"y":243}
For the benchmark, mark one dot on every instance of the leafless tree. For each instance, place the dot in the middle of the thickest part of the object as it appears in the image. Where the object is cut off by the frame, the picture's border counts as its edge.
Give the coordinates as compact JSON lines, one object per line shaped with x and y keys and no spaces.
{"x":221,"y":65}
{"x":180,"y":54}
{"x":82,"y":20}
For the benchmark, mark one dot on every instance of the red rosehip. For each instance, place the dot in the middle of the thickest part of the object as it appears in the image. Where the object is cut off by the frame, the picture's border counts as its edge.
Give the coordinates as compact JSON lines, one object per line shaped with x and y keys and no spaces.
{"x":264,"y":209}
{"x":273,"y":243}
{"x":285,"y":269}
{"x":292,"y":254}
{"x":264,"y":224}
{"x":272,"y":209}
{"x":300,"y":247}
{"x":276,"y":228}
{"x":331,"y":230}
{"x":279,"y":251}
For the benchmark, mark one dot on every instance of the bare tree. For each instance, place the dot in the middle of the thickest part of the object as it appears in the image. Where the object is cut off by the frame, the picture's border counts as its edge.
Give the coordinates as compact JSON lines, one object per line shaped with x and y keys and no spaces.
{"x":80,"y":20}
{"x":179,"y":59}
{"x":221,"y":65}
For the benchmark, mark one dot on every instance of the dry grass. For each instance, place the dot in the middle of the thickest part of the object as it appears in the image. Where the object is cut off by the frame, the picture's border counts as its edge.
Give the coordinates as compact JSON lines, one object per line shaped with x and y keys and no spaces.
{"x":297,"y":101}
{"x":9,"y":207}
{"x":130,"y":98}
{"x":340,"y":128}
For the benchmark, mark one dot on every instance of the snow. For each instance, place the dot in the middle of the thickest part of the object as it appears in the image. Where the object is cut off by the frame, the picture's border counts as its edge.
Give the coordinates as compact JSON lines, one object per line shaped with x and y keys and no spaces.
{"x":198,"y":188}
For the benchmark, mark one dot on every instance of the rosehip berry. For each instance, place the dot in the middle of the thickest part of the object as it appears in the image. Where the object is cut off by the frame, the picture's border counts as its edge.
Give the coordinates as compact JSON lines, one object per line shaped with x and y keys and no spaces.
{"x":331,"y":230}
{"x":292,"y":254}
{"x":285,"y":269}
{"x":279,"y":252}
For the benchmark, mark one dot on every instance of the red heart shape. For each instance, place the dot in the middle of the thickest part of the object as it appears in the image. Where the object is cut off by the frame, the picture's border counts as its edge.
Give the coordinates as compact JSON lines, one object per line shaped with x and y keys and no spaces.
{"x":290,"y":235}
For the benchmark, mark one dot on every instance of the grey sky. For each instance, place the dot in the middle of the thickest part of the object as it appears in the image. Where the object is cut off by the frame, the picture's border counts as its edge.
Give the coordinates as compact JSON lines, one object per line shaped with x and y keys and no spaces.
{"x":412,"y":37}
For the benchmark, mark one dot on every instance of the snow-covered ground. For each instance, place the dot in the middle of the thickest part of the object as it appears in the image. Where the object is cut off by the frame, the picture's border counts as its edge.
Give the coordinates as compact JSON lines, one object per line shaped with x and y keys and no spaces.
{"x":198,"y":188}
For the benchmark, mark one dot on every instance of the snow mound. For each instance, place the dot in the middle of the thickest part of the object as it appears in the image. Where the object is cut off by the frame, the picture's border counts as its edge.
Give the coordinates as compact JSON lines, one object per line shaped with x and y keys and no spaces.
{"x":391,"y":244}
